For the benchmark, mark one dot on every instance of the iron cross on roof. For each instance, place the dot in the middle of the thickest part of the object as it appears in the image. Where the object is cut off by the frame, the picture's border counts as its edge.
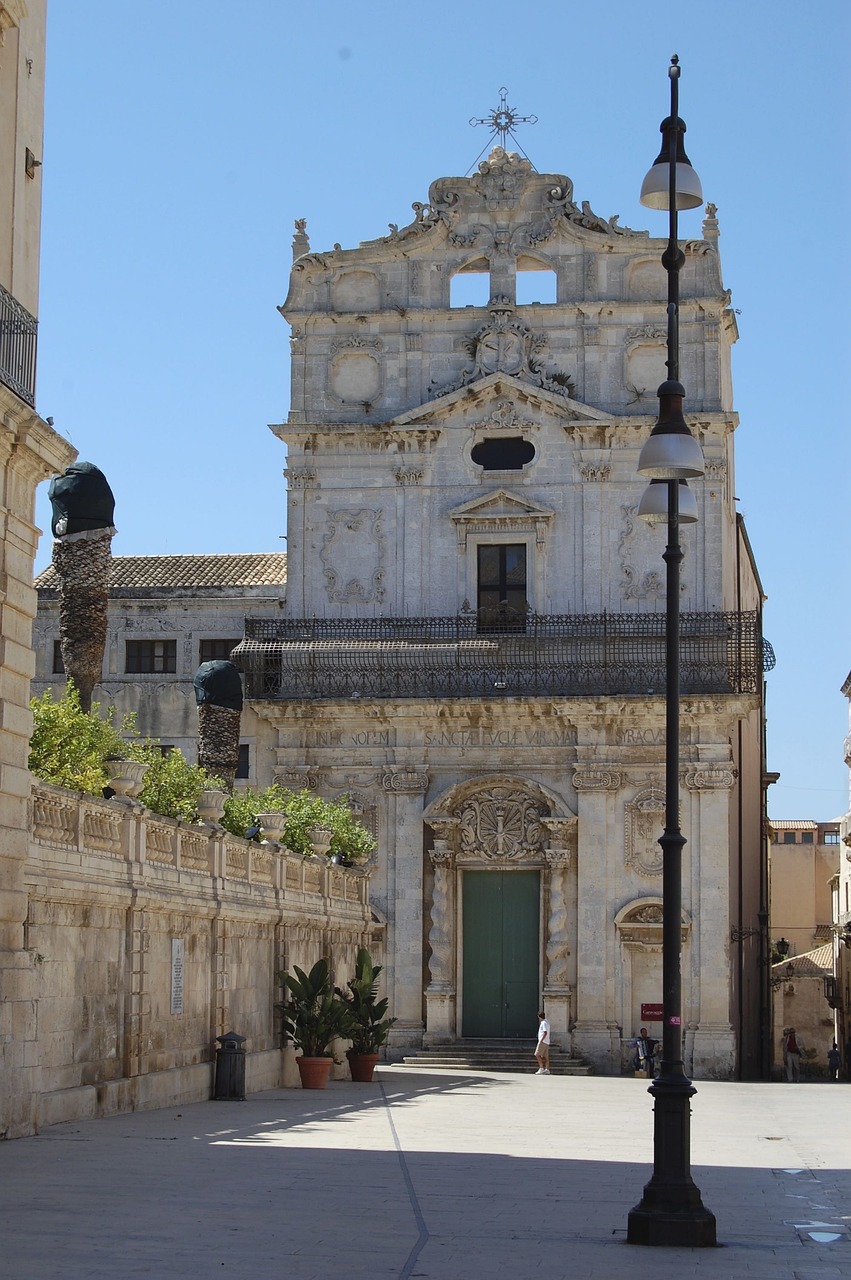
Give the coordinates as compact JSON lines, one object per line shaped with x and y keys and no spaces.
{"x":503,"y":120}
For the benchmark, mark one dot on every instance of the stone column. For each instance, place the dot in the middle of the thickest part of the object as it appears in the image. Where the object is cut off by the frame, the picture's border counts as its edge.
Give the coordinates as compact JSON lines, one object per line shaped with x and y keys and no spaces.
{"x":557,"y":986}
{"x":441,"y":993}
{"x":708,"y":1026}
{"x":405,"y":789}
{"x":596,"y":1034}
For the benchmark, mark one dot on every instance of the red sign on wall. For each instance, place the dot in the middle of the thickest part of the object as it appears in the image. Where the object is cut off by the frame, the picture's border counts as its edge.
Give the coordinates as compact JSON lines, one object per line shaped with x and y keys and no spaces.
{"x":651,"y":1013}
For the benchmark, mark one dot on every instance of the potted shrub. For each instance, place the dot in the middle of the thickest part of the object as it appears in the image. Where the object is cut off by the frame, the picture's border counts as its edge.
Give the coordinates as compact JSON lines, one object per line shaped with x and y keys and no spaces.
{"x":368,"y":1025}
{"x":313,"y":1017}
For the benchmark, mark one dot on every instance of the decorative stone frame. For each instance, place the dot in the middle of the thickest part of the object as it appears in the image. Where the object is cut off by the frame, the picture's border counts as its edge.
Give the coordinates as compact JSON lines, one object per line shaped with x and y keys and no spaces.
{"x":497,"y":517}
{"x":539,"y":834}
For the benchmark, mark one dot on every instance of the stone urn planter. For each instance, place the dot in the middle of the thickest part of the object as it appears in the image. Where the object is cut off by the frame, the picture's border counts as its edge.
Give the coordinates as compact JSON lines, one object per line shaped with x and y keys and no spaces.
{"x":314,"y":1072}
{"x":211,"y":805}
{"x":362,"y":1066}
{"x":320,"y":840}
{"x":273,"y":824}
{"x":126,"y":777}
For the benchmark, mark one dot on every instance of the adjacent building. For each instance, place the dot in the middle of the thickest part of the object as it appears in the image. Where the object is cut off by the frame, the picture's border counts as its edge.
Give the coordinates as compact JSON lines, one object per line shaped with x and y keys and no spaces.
{"x":167,"y":615}
{"x":29,"y":451}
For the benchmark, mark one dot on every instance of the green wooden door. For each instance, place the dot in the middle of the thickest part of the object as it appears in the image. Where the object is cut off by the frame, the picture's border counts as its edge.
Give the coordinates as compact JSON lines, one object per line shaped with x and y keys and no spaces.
{"x":501,"y":953}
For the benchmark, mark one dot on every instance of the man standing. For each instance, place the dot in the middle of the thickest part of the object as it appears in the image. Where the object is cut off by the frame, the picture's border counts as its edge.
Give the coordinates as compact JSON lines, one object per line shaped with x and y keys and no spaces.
{"x":792,"y":1055}
{"x":542,"y":1052}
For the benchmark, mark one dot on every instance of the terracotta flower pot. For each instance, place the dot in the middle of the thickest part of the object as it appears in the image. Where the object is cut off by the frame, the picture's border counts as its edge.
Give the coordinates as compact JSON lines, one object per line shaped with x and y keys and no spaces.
{"x":314,"y":1072}
{"x":362,"y":1065}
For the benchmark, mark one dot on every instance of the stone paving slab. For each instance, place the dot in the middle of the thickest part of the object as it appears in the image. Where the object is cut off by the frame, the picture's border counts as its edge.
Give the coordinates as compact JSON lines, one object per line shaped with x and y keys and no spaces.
{"x":428,"y":1175}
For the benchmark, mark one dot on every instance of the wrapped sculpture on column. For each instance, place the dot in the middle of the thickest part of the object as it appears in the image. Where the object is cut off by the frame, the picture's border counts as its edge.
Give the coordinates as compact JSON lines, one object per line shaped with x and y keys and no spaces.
{"x":82,"y":513}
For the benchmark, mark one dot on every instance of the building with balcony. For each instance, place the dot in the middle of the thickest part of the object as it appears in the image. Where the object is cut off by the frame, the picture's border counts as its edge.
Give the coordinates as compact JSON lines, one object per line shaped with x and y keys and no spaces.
{"x":470,"y":643}
{"x":29,"y":451}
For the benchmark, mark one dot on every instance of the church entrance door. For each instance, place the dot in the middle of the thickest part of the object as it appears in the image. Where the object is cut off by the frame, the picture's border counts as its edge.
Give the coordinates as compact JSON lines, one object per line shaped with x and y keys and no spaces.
{"x":501,"y":953}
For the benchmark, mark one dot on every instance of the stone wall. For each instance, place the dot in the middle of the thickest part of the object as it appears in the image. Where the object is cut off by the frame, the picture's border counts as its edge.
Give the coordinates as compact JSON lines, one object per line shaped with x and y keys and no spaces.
{"x":145,"y":939}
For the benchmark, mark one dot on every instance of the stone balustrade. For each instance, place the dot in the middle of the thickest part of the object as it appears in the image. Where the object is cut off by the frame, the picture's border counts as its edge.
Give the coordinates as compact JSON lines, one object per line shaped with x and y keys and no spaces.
{"x":148,"y":937}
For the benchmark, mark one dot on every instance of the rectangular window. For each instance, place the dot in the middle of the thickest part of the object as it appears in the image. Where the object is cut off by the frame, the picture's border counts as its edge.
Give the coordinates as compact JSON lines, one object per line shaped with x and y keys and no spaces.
{"x":58,"y":664}
{"x":501,"y":597}
{"x":242,"y":769}
{"x":789,"y":837}
{"x":806,"y":837}
{"x":216,"y":650}
{"x":831,"y":837}
{"x":148,"y":657}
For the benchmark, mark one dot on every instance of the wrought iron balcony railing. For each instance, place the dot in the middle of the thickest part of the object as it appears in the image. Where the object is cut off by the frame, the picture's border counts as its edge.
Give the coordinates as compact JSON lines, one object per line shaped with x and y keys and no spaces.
{"x":17,"y":347}
{"x":466,"y":656}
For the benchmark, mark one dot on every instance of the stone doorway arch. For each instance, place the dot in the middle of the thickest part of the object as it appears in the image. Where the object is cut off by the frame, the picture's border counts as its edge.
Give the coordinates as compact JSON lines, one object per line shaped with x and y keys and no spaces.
{"x":500,"y":822}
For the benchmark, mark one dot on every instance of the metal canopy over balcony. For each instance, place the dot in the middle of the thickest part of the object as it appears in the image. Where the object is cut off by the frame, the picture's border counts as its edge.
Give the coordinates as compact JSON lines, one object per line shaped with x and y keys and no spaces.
{"x":473,"y":656}
{"x":18,"y":331}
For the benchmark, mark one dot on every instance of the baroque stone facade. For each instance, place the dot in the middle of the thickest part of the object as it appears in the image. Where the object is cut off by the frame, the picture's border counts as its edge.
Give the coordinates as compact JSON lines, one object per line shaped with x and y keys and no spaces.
{"x":469,"y":646}
{"x":473,"y":492}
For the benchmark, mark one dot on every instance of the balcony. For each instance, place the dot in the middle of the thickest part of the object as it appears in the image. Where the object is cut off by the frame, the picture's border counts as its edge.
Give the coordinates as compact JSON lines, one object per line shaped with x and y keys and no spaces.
{"x":471,"y":656}
{"x":17,"y":347}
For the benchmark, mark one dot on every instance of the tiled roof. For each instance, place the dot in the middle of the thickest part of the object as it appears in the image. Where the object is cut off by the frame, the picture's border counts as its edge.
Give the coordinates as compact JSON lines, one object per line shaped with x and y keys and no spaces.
{"x":812,"y":964}
{"x":793,"y":824}
{"x":254,"y":570}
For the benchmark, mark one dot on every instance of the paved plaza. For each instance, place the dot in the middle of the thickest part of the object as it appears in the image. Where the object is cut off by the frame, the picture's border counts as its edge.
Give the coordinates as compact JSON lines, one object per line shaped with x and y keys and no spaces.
{"x":430,"y":1175}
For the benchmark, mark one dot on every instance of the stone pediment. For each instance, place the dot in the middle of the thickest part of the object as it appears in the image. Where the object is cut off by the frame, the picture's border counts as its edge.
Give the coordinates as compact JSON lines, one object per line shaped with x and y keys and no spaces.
{"x":489,"y":391}
{"x":501,"y":511}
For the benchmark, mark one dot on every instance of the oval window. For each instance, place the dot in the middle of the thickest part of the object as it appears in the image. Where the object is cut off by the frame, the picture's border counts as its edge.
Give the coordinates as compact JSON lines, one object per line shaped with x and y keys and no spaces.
{"x":503,"y":453}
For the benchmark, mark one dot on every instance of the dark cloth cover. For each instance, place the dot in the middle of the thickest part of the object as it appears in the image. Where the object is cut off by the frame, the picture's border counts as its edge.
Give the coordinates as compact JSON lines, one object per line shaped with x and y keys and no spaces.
{"x":218,"y":683}
{"x":81,"y":499}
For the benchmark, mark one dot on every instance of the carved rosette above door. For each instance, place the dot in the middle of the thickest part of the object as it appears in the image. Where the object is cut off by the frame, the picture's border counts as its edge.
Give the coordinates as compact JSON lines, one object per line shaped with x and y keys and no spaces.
{"x":500,"y":824}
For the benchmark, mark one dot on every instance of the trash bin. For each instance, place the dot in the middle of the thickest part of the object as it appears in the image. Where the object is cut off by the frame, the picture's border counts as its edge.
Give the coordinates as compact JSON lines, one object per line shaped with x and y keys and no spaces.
{"x":230,"y":1068}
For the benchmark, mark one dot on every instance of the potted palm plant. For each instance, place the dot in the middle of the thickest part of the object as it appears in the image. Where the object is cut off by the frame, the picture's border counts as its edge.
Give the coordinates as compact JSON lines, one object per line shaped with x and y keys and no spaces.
{"x":313,"y":1017}
{"x":368,"y":1025}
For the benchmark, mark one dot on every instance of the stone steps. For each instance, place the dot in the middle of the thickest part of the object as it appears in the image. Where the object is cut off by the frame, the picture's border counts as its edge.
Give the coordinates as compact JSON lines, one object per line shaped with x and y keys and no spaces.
{"x":494,"y":1055}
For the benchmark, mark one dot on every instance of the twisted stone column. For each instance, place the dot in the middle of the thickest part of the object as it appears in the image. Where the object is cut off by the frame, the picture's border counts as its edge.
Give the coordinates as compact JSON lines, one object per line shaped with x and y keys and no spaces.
{"x":441,"y":995}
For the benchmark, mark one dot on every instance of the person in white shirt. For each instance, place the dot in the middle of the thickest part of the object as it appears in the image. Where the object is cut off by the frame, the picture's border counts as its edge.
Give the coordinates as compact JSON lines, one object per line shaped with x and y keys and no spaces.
{"x":542,"y":1052}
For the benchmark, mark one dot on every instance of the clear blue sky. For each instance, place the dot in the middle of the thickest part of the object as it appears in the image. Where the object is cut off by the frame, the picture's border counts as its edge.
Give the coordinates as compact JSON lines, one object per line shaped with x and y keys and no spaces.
{"x":184,"y":136}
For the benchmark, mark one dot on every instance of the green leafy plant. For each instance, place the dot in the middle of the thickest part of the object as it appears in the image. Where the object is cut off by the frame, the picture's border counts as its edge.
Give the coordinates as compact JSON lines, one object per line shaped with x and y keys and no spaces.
{"x":312,"y":1014}
{"x":68,"y":746}
{"x":350,"y":840}
{"x":172,"y":786}
{"x":368,"y":1025}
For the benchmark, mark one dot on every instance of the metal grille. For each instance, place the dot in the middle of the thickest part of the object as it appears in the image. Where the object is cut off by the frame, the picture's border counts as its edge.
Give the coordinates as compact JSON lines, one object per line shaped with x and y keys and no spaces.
{"x":17,"y":347}
{"x":556,"y":655}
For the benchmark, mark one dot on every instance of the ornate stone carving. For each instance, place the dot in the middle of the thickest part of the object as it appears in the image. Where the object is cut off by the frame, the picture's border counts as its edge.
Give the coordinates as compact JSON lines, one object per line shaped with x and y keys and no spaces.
{"x":297,"y":777}
{"x":500,"y":823}
{"x":364,"y":526}
{"x":646,"y":333}
{"x":440,"y":933}
{"x":405,"y":781}
{"x":716,"y":469}
{"x":643,"y":824}
{"x":408,"y":475}
{"x":595,"y":471}
{"x":356,"y":343}
{"x":506,"y":344}
{"x":651,"y":914}
{"x":558,"y":949}
{"x":503,"y":417}
{"x":597,"y":780}
{"x":635,"y":586}
{"x":300,"y":477}
{"x":708,"y":777}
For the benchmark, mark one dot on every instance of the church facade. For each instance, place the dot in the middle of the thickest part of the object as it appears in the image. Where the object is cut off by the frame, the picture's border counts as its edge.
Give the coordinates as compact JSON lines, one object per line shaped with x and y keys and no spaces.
{"x":472,"y":643}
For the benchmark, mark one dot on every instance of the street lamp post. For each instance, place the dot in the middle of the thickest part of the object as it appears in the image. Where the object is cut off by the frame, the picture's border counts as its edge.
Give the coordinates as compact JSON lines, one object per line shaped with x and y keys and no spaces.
{"x":671,"y":1211}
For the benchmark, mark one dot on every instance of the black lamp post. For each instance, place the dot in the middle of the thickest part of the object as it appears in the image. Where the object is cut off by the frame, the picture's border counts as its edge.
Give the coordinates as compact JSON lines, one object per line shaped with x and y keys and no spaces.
{"x":671,"y":1211}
